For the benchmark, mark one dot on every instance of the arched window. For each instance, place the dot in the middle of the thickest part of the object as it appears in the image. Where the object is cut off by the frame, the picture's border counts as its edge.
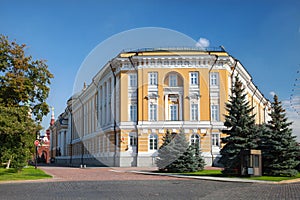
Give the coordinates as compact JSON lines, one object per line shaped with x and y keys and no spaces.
{"x":195,"y":140}
{"x":153,"y":142}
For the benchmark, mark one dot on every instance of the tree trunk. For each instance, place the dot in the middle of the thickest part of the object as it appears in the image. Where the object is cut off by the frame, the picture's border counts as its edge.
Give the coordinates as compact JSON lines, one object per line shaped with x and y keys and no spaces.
{"x":8,"y":164}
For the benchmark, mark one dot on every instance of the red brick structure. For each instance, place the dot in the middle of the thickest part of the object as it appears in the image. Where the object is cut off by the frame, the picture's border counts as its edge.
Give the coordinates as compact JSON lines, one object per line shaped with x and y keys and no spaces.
{"x":44,"y":147}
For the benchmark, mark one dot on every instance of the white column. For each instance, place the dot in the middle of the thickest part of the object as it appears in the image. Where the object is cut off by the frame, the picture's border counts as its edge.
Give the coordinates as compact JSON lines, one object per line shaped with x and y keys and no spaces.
{"x":180,"y":106}
{"x":107,"y":104}
{"x":166,"y":107}
{"x":100,"y":105}
{"x":104,"y":103}
{"x":112,"y":103}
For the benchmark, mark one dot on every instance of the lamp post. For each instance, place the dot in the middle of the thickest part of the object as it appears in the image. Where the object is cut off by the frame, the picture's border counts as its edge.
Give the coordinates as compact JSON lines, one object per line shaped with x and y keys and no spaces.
{"x":36,"y":144}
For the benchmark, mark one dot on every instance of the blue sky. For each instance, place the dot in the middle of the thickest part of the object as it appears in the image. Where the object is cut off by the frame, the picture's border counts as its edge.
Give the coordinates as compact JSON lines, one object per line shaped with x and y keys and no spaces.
{"x":264,"y":35}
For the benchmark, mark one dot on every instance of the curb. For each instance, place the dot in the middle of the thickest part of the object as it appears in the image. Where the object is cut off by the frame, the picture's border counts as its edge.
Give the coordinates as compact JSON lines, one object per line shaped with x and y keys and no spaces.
{"x":220,"y":179}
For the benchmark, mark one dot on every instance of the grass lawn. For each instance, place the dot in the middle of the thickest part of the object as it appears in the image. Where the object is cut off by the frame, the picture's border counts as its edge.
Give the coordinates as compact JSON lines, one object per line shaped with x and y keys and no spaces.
{"x":217,"y":173}
{"x":28,"y":173}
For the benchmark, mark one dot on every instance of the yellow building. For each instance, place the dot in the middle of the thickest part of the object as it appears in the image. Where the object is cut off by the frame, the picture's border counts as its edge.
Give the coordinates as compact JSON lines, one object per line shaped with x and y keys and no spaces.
{"x":122,"y":116}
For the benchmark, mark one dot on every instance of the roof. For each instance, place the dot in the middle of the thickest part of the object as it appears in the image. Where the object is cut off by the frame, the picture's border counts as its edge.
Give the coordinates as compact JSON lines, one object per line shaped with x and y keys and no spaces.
{"x":219,"y":51}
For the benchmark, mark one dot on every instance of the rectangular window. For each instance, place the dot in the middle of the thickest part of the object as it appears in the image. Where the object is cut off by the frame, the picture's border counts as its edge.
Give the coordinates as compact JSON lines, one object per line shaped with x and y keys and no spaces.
{"x":215,"y":139}
{"x":132,"y":141}
{"x":153,"y":142}
{"x":214,"y":79}
{"x":132,"y":110}
{"x":173,"y":112}
{"x":152,"y":77}
{"x":193,"y":78}
{"x":256,"y":161}
{"x":215,"y":112}
{"x":194,"y":112}
{"x":173,"y":80}
{"x":153,"y":112}
{"x":132,"y":80}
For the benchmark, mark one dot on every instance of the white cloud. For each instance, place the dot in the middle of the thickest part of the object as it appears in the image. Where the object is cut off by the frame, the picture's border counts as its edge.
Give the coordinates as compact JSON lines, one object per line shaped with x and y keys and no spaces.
{"x":293,"y":116}
{"x":202,"y":43}
{"x":272,"y":93}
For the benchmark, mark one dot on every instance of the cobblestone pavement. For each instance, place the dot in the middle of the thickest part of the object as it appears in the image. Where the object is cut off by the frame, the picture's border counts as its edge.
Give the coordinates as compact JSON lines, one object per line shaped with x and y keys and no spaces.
{"x":102,"y":183}
{"x":99,"y":174}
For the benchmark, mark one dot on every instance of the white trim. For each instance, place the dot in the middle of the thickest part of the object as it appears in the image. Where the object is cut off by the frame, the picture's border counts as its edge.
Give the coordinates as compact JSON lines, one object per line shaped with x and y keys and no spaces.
{"x":176,"y":113}
{"x":156,"y":140}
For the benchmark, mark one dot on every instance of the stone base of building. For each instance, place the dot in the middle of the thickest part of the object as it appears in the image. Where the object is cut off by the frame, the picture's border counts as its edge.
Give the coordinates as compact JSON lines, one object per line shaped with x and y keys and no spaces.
{"x":124,"y":161}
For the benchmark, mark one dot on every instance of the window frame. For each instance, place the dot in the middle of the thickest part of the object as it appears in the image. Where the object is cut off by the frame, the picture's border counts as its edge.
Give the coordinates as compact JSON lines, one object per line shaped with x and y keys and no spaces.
{"x":153,"y":142}
{"x":132,"y":112}
{"x":152,"y":112}
{"x":173,"y":82}
{"x":215,"y":139}
{"x":214,"y":79}
{"x":194,"y":116}
{"x":152,"y":78}
{"x":195,"y":140}
{"x":170,"y":113}
{"x":194,"y":78}
{"x":215,"y":113}
{"x":132,"y":140}
{"x":132,"y":81}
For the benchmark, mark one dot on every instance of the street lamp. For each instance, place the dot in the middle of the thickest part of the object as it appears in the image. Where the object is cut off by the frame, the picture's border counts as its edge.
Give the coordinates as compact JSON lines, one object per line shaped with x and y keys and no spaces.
{"x":36,"y":144}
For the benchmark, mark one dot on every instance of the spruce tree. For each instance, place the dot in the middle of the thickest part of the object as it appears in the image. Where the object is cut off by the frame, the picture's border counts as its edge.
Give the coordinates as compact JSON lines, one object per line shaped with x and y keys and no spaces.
{"x":265,"y":144}
{"x":199,"y":158}
{"x":240,"y":125}
{"x":176,"y":155}
{"x":165,"y":155}
{"x":283,"y":149}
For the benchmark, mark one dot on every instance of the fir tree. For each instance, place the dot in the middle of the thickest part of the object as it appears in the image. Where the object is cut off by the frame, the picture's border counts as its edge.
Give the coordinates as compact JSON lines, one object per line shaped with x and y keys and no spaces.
{"x":240,"y":125}
{"x":176,"y":155}
{"x":282,"y":149}
{"x":165,"y":156}
{"x":265,"y":144}
{"x":199,"y":158}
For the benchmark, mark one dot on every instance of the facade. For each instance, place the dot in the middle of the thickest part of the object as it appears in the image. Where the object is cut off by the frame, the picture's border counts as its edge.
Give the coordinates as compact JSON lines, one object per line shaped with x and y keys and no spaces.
{"x":122,"y":116}
{"x":43,"y":149}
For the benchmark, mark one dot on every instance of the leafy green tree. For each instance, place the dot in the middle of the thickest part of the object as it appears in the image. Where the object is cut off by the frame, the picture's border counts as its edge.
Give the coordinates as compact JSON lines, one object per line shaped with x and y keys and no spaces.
{"x":176,"y":155}
{"x":23,"y":80}
{"x":24,"y":88}
{"x":280,"y":149}
{"x":240,"y":125}
{"x":16,"y":136}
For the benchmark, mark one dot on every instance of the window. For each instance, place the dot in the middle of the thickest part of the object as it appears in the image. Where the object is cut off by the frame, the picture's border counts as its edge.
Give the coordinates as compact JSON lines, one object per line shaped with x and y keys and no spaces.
{"x":173,"y":80}
{"x":194,"y":78}
{"x":152,"y":76}
{"x":215,"y":137}
{"x":132,"y":141}
{"x":132,"y":80}
{"x":173,"y":112}
{"x":153,"y":112}
{"x":132,"y":112}
{"x":132,"y":95}
{"x":215,"y":112}
{"x":194,"y":112}
{"x":214,"y":79}
{"x":256,"y":161}
{"x":195,"y":140}
{"x":153,"y":142}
